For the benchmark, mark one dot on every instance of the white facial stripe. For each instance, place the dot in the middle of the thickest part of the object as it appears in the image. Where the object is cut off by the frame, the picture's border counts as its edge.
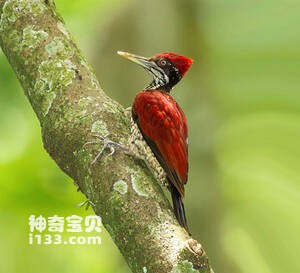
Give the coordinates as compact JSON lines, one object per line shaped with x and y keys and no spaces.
{"x":159,"y":76}
{"x":156,"y":73}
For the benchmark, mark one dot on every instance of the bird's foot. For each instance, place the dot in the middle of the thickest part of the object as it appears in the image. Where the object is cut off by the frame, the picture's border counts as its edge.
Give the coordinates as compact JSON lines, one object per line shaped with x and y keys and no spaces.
{"x":106,"y":144}
{"x":86,"y":204}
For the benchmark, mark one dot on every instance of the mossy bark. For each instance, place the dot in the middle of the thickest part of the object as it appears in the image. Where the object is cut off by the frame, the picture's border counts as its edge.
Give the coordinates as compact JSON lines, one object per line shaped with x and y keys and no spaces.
{"x":72,"y":108}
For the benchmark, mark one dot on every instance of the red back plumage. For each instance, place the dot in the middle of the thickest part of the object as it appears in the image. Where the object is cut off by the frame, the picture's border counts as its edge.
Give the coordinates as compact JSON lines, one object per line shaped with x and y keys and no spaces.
{"x":164,"y":128}
{"x":181,"y":62}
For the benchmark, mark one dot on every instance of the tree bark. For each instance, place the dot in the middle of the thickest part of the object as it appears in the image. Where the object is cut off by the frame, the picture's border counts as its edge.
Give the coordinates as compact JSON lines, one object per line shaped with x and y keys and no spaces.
{"x":72,"y":108}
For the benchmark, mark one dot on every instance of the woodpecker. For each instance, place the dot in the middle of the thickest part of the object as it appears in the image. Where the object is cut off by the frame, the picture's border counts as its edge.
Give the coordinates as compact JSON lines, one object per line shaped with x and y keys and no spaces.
{"x":158,"y":121}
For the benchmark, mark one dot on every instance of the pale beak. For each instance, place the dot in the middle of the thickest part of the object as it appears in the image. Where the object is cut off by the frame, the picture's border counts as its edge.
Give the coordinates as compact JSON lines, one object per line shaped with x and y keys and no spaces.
{"x":159,"y":77}
{"x":146,"y":63}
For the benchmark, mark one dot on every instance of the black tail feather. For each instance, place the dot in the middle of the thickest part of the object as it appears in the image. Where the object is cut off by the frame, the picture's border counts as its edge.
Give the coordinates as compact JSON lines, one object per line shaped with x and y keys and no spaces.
{"x":179,"y":208}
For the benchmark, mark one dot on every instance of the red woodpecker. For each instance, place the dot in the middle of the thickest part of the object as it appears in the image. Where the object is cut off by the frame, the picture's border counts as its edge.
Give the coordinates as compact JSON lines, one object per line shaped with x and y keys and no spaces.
{"x":161,"y":123}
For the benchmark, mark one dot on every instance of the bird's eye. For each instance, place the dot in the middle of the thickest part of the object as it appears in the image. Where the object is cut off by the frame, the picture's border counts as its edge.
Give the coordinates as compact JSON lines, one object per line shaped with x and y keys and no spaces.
{"x":163,"y":62}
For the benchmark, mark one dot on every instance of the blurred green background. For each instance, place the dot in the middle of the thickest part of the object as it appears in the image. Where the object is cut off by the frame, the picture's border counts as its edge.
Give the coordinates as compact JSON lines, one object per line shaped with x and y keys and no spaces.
{"x":242,"y":102}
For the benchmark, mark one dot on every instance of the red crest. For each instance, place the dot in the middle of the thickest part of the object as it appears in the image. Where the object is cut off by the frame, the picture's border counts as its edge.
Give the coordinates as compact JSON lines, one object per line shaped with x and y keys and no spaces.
{"x":181,"y":62}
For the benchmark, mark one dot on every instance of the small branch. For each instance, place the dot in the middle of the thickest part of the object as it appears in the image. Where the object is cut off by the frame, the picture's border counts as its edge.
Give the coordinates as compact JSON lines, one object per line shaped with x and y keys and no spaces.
{"x":72,"y":108}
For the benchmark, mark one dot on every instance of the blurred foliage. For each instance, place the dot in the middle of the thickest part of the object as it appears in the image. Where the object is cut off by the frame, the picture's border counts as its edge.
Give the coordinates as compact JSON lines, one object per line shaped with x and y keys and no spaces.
{"x":243,"y":107}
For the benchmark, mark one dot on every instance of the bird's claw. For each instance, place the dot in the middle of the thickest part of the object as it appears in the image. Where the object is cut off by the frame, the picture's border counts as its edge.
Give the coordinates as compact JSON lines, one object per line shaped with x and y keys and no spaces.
{"x":87,"y":203}
{"x":107,"y":144}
